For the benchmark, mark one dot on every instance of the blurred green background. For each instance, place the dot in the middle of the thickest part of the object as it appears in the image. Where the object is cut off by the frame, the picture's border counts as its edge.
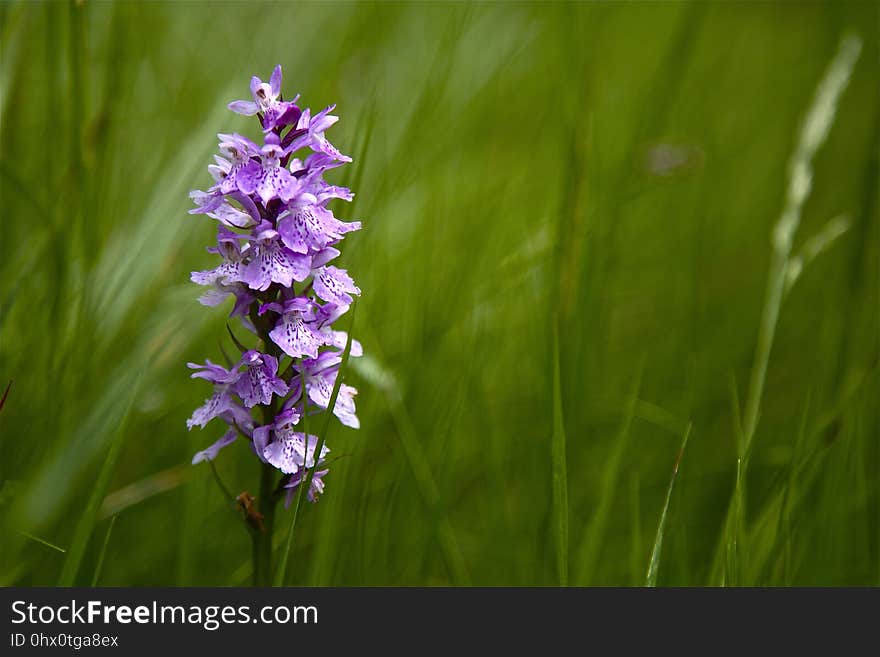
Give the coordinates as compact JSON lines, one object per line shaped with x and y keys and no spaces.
{"x":609,"y":173}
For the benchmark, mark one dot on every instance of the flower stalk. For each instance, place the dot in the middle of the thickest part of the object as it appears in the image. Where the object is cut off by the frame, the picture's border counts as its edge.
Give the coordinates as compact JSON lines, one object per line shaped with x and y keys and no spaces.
{"x":276,"y":237}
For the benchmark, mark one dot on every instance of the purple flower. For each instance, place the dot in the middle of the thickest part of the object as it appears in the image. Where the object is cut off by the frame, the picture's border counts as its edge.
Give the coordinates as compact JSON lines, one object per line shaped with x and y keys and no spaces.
{"x":338,"y":339}
{"x":315,"y":489}
{"x":272,"y":262}
{"x":267,"y":100}
{"x":226,"y":279}
{"x":311,"y":227}
{"x":253,"y":379}
{"x":230,"y":270}
{"x":259,"y":381}
{"x":313,"y":136}
{"x":230,"y":216}
{"x":320,"y":389}
{"x":216,"y":405}
{"x":296,"y":331}
{"x":210,"y":453}
{"x":267,"y":178}
{"x":276,"y":235}
{"x":320,"y":376}
{"x":238,"y":152}
{"x":334,"y":285}
{"x":279,"y":445}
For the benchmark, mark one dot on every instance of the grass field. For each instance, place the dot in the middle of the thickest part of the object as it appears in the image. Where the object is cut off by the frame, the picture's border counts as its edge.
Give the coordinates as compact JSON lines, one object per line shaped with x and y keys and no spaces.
{"x":567,"y":261}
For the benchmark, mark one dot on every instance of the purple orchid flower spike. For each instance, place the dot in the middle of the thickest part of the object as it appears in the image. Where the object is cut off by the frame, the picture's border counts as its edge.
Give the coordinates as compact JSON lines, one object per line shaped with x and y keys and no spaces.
{"x":277,"y":235}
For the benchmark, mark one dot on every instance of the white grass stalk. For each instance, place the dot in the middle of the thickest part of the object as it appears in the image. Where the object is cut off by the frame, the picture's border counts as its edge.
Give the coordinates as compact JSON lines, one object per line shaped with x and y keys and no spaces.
{"x":814,"y":247}
{"x":814,"y":131}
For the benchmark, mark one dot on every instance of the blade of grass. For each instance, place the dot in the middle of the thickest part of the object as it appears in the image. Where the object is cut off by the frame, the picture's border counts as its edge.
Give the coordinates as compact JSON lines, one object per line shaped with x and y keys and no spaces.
{"x":306,"y":482}
{"x":654,"y":564}
{"x":636,"y":531}
{"x":143,"y":489}
{"x":814,"y":131}
{"x":734,"y":522}
{"x":100,"y":565}
{"x":813,"y":465}
{"x":42,"y":541}
{"x":595,"y":531}
{"x":86,"y":523}
{"x":784,"y":527}
{"x":560,"y":472}
{"x":5,"y":395}
{"x":421,"y":470}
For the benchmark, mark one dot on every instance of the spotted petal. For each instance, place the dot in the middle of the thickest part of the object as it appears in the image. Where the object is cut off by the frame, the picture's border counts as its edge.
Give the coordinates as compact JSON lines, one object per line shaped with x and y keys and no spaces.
{"x":274,"y":263}
{"x":335,"y":286}
{"x":296,"y":337}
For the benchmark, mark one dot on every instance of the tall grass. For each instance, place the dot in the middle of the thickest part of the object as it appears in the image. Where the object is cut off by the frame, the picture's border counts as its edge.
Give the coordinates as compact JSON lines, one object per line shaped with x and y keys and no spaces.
{"x":610,"y":171}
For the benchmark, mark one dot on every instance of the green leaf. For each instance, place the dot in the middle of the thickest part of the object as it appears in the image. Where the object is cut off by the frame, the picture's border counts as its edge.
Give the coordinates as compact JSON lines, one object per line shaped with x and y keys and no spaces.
{"x":654,"y":564}
{"x":560,"y":472}
{"x":86,"y":523}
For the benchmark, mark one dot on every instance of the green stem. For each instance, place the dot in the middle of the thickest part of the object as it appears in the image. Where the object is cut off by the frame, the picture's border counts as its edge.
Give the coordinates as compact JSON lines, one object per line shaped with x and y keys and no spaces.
{"x":266,"y":498}
{"x":306,"y":481}
{"x":813,"y":133}
{"x":262,"y":540}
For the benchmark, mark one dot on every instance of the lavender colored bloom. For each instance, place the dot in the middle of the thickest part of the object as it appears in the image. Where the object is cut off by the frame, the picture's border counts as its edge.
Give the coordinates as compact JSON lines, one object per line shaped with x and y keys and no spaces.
{"x":320,"y":376}
{"x":281,"y":446}
{"x":231,"y":269}
{"x":236,"y":154}
{"x":226,"y":279}
{"x":309,"y":228}
{"x":254,"y":380}
{"x":259,"y":381}
{"x":267,"y":178}
{"x":315,"y":128}
{"x":220,"y":291}
{"x":210,"y":453}
{"x":338,"y":339}
{"x":230,"y":216}
{"x":272,"y":262}
{"x":335,"y":286}
{"x":315,"y":489}
{"x":320,"y":389}
{"x":267,"y":101}
{"x":296,"y":331}
{"x":217,"y":404}
{"x":276,"y":235}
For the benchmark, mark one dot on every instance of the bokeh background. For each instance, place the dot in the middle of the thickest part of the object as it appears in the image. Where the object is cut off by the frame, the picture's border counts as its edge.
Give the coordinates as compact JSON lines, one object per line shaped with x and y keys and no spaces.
{"x":593,"y":184}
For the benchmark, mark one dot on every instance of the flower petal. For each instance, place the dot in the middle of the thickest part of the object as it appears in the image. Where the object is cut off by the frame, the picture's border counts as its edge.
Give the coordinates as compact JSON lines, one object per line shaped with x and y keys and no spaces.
{"x":218,"y":403}
{"x":295,"y":337}
{"x":275,"y":80}
{"x":274,"y":263}
{"x":246,"y":107}
{"x":334,"y":285}
{"x":210,"y":453}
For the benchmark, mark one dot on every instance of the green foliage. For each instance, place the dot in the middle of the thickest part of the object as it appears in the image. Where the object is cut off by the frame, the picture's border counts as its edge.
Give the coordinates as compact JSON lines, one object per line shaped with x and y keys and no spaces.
{"x":610,"y":173}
